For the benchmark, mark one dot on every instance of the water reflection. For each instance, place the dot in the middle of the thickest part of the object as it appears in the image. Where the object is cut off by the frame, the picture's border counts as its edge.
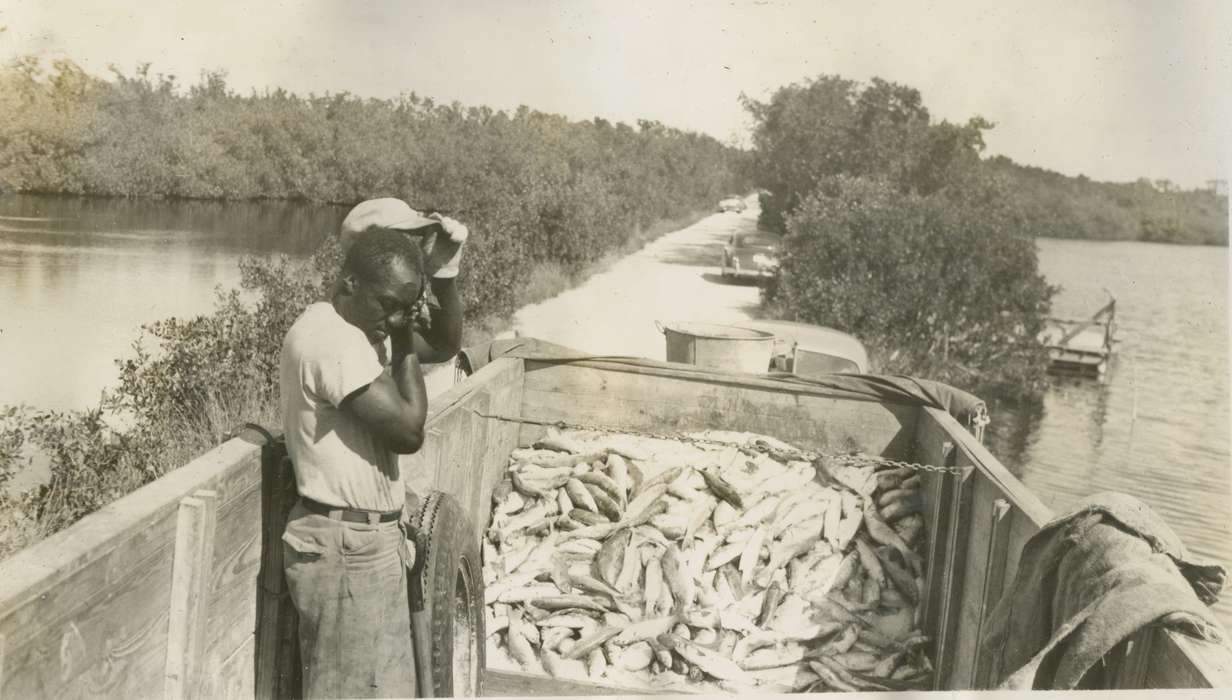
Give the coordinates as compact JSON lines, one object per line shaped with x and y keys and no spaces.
{"x":79,"y":275}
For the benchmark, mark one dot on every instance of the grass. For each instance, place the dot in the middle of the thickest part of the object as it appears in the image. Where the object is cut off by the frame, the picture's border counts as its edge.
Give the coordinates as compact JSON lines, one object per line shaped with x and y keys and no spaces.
{"x":25,"y":519}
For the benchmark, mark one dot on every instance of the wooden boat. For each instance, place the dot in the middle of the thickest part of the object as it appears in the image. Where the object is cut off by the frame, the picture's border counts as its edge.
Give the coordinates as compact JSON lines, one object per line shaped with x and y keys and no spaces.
{"x":177,"y":589}
{"x":1081,"y":346}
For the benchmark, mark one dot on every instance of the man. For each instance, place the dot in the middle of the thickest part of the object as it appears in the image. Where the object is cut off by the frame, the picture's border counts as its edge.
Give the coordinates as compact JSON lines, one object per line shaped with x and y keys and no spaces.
{"x":353,"y":399}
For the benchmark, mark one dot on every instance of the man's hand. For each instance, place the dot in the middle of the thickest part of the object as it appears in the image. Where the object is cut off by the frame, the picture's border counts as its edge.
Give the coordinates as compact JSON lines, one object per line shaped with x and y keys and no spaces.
{"x":445,"y":257}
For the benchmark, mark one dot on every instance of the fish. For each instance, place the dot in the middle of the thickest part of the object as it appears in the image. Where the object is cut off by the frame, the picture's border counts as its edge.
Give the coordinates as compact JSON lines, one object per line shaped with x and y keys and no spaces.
{"x":761,"y":659}
{"x":893,"y":496}
{"x":653,"y":584}
{"x":590,"y":532}
{"x":522,"y":521}
{"x":559,"y":667}
{"x":519,"y":646}
{"x":724,"y":554}
{"x":869,"y":560}
{"x":563,"y":502}
{"x":635,"y":657}
{"x":580,"y":495}
{"x":756,"y":515}
{"x":909,"y":527}
{"x":596,"y":664}
{"x":902,"y":579}
{"x":526,"y":593}
{"x":593,"y":585}
{"x":882,"y":533}
{"x":610,"y":557}
{"x":672,"y":526}
{"x":711,"y":662}
{"x":551,"y":637}
{"x":606,"y":504}
{"x":899,"y":509}
{"x":724,"y":513}
{"x":796,"y":570}
{"x":592,"y":642}
{"x":643,"y":502}
{"x":719,"y":487}
{"x":569,"y":620}
{"x":677,"y":577}
{"x":586,"y":517}
{"x":774,"y":596}
{"x":562,"y":602}
{"x":750,"y":556}
{"x":662,"y":479}
{"x":559,"y":573}
{"x":646,"y":629}
{"x":630,"y":571}
{"x":707,"y":637}
{"x":781,"y":553}
{"x":618,"y":470}
{"x":580,"y":545}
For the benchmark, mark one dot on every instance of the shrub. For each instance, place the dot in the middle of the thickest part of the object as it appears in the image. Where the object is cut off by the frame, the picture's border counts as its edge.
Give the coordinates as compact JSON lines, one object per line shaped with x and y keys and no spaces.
{"x":938,"y":285}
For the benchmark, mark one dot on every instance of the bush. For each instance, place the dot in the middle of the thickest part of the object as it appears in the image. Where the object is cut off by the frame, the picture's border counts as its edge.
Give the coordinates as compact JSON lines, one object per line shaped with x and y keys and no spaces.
{"x":897,"y":233}
{"x":938,"y":285}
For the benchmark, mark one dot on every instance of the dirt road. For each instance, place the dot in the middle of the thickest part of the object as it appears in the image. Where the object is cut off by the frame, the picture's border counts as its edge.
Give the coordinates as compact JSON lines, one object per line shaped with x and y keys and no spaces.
{"x":675,"y":278}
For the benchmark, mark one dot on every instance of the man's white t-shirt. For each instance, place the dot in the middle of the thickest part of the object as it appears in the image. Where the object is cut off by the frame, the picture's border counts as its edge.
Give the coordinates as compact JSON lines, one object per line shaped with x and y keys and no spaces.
{"x":337,"y":460}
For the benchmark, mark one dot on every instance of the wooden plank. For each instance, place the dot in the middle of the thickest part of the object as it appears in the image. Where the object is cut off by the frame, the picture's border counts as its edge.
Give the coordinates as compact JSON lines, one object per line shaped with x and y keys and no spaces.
{"x":1179,"y":661}
{"x":190,"y":575}
{"x":235,"y":582}
{"x":516,"y":684}
{"x":944,"y":513}
{"x":112,"y":643}
{"x":462,"y":449}
{"x":276,"y":659}
{"x":994,"y":581}
{"x":1014,"y":490}
{"x":231,"y":677}
{"x":1130,"y":660}
{"x":974,"y":575}
{"x":129,"y":521}
{"x":636,"y":398}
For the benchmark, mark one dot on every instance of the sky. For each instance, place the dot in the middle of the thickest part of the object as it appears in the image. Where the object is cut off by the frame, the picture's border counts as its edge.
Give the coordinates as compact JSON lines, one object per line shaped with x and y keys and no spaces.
{"x":1112,"y":90}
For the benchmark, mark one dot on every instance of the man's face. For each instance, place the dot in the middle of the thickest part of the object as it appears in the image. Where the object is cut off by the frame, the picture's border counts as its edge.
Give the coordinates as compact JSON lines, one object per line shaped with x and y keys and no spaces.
{"x":384,"y":305}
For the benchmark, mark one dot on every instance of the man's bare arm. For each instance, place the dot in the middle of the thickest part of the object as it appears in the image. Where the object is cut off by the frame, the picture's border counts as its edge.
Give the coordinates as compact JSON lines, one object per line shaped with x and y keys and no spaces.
{"x":443,"y":338}
{"x":395,"y":404}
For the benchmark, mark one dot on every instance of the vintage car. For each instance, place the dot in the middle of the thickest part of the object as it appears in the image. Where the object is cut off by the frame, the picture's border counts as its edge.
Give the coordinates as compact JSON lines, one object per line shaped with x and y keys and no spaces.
{"x":751,"y":255}
{"x":732,"y":202}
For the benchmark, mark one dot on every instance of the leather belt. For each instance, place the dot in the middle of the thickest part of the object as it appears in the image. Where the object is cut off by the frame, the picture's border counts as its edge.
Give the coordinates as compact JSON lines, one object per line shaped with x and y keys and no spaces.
{"x":371,"y":517}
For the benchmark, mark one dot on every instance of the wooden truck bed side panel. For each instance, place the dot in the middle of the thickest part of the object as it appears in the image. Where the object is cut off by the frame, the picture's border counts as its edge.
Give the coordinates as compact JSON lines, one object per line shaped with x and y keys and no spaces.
{"x":1003,"y":515}
{"x":87,"y":612}
{"x":974,"y":524}
{"x":654,"y":397}
{"x":465,"y":454}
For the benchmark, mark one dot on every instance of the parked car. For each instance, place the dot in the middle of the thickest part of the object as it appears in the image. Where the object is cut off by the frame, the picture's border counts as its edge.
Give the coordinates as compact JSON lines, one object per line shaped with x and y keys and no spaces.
{"x":806,"y":350}
{"x":751,"y":255}
{"x":733,"y":202}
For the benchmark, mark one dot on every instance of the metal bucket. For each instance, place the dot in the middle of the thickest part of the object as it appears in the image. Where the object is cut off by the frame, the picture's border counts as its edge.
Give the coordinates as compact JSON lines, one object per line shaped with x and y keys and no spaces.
{"x":718,"y":347}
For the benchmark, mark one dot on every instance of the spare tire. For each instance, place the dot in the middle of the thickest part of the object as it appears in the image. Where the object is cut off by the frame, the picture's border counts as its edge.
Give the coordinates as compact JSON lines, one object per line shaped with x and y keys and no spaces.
{"x":446,"y":598}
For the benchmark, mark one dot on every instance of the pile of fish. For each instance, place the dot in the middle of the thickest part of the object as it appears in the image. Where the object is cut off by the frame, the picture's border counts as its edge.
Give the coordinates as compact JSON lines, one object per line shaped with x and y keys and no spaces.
{"x":719,"y":562}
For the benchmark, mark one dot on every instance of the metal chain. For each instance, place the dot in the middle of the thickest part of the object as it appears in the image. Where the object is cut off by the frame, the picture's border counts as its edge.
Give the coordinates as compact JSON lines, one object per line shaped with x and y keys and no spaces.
{"x":855,"y":459}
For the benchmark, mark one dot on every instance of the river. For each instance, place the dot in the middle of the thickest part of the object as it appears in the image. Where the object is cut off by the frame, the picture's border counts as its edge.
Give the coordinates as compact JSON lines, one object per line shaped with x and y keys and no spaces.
{"x":79,"y":275}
